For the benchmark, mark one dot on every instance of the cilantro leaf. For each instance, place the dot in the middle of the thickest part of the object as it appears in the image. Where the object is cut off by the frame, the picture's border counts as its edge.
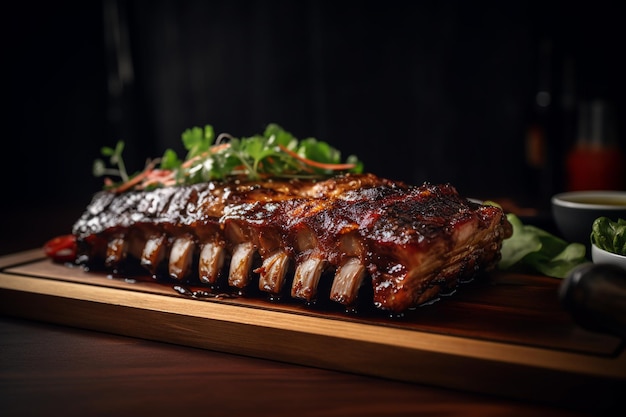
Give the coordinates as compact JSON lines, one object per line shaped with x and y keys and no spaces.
{"x":197,"y":140}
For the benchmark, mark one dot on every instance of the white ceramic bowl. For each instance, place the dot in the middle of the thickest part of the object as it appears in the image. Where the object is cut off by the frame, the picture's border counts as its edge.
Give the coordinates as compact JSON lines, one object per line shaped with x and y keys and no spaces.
{"x":601,"y":256}
{"x":574,"y":212}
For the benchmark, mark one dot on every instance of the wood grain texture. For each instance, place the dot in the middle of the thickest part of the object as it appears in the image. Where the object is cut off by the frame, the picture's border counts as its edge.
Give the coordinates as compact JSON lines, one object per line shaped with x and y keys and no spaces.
{"x":521,"y":345}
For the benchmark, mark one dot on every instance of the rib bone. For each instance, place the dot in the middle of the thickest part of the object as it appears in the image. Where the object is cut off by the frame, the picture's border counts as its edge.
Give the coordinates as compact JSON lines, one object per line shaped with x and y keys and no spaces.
{"x":272,"y":272}
{"x":348,"y":279}
{"x":307,"y":277}
{"x":211,"y":262}
{"x":240,"y":265}
{"x":116,"y":251}
{"x":153,"y":253}
{"x":181,"y":257}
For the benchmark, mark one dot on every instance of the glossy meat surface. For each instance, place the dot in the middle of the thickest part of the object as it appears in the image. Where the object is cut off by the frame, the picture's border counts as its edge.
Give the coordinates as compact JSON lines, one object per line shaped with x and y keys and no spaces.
{"x":404,"y":243}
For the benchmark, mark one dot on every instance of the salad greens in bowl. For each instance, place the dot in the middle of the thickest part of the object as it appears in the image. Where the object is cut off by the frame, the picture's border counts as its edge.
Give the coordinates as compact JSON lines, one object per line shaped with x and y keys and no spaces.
{"x":608,"y":241}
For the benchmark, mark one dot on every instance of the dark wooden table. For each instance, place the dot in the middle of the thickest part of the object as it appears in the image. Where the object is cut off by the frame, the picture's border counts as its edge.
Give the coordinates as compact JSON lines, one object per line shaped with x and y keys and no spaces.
{"x":55,"y":370}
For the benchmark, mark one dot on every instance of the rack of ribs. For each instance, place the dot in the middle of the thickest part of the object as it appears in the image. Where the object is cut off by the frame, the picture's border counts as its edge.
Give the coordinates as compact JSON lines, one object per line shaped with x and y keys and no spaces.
{"x":406,"y":243}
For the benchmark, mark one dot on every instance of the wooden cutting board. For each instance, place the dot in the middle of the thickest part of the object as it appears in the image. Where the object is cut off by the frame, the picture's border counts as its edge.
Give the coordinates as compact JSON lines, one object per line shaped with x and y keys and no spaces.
{"x":503,"y":334}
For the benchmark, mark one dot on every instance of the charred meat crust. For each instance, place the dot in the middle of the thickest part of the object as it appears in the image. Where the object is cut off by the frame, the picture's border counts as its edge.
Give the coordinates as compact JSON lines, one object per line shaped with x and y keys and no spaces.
{"x":407,"y":242}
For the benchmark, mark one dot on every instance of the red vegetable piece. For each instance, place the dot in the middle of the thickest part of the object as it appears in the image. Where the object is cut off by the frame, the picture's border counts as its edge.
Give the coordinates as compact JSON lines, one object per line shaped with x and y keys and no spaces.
{"x":61,"y":248}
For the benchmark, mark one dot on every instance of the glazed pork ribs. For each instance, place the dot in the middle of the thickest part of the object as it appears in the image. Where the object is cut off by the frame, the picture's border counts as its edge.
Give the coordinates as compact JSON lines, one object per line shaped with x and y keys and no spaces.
{"x":408,"y":243}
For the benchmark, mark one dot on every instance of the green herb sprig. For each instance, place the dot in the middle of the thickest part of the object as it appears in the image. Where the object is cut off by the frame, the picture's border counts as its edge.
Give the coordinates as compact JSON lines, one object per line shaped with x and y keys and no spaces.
{"x":275,"y":153}
{"x":115,"y":159}
{"x":609,"y":235}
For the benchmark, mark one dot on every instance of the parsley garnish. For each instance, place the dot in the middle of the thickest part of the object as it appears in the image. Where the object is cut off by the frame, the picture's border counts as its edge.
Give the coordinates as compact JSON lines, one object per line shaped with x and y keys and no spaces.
{"x":274,"y":154}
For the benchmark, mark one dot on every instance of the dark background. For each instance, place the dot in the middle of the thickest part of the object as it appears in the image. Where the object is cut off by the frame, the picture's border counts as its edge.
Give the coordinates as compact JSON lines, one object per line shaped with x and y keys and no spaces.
{"x":421,"y":91}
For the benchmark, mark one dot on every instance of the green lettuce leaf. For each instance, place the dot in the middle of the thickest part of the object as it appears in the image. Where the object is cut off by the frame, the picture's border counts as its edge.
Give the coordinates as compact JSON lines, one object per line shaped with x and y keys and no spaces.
{"x":536,"y":250}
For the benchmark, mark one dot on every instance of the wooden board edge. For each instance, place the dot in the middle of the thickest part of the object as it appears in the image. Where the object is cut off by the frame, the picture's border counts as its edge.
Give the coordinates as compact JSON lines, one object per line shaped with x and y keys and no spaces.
{"x":520,"y":355}
{"x":434,"y":359}
{"x":21,"y":257}
{"x":329,"y":350}
{"x":358,"y":332}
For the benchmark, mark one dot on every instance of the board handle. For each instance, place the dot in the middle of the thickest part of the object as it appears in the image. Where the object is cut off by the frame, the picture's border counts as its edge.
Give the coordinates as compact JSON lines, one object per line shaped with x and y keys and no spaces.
{"x":595,"y":295}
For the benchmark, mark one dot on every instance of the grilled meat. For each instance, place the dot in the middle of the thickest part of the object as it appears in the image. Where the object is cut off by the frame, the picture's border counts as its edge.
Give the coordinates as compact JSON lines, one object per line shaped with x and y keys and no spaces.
{"x":408,"y":243}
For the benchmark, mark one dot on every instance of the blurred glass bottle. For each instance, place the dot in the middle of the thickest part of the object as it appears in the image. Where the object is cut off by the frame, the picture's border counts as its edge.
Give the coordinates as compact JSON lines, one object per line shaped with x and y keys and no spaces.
{"x":540,"y":132}
{"x":595,"y":161}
